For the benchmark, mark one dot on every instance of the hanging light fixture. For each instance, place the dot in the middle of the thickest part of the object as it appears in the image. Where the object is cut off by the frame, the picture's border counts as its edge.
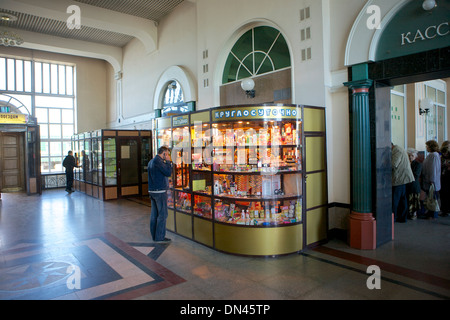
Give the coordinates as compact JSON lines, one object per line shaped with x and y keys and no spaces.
{"x":248,"y":85}
{"x":8,"y":38}
{"x":425,"y":106}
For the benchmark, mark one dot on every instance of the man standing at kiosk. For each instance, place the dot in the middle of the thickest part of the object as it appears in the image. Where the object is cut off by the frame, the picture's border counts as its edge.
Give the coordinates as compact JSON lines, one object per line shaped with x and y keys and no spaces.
{"x":159,"y":169}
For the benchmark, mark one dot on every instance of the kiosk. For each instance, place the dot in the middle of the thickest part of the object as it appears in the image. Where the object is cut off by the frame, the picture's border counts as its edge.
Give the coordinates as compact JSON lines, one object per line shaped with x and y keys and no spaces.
{"x":239,"y":183}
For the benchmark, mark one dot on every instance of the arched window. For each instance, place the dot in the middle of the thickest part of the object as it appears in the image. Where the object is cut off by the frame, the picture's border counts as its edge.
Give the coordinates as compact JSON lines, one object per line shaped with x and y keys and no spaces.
{"x":260,"y":50}
{"x":173,"y":102}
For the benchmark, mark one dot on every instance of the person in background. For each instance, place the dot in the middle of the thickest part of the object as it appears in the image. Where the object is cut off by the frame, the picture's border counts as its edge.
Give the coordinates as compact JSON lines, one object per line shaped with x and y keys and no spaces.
{"x":401,"y":176}
{"x":69,"y":163}
{"x":159,"y":169}
{"x":431,"y":173}
{"x":445,"y":180}
{"x":413,"y":188}
{"x":445,"y":144}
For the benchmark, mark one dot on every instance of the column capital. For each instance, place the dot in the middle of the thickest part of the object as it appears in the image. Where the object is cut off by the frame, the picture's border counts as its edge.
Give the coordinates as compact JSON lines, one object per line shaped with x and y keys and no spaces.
{"x":359,"y":84}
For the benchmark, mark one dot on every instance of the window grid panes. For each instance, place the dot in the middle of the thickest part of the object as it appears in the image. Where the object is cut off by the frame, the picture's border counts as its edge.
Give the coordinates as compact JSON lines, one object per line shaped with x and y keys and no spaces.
{"x":258,"y":51}
{"x":52,"y":103}
{"x":435,"y":119}
{"x":398,"y":116}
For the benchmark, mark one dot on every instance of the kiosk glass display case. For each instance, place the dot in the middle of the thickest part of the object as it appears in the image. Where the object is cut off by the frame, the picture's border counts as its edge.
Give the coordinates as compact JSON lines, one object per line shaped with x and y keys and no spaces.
{"x":111,"y":163}
{"x":239,"y":186}
{"x":257,"y":169}
{"x":109,"y":155}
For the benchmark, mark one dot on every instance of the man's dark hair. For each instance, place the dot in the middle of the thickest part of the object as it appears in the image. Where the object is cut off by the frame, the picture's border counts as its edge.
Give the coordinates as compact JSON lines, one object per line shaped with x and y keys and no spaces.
{"x":163,"y":149}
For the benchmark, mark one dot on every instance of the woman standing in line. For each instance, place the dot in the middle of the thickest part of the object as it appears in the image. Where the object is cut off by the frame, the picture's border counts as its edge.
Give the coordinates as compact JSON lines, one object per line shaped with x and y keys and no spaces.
{"x":431,"y":173}
{"x":413,"y":188}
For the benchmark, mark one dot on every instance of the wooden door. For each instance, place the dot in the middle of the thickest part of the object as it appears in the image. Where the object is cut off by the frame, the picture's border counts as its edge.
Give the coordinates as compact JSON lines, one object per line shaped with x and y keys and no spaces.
{"x":12,"y":167}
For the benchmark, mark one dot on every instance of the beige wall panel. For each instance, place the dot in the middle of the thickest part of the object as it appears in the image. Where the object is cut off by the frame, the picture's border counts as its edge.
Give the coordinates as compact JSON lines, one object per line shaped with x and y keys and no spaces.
{"x":203,"y":231}
{"x":170,"y":223}
{"x":316,"y":225}
{"x":184,"y":224}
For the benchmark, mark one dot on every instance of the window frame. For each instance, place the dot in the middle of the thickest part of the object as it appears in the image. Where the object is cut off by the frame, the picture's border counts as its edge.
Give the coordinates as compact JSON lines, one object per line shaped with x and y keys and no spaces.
{"x":254,"y":70}
{"x":44,"y":80}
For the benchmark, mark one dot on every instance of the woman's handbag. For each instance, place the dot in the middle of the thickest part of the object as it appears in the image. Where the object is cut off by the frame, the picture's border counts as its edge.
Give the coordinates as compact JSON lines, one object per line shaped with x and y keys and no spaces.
{"x":431,"y":203}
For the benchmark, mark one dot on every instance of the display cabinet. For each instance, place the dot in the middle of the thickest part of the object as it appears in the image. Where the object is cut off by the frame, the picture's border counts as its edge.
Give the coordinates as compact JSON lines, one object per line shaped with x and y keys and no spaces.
{"x":112,"y":163}
{"x":239,"y":178}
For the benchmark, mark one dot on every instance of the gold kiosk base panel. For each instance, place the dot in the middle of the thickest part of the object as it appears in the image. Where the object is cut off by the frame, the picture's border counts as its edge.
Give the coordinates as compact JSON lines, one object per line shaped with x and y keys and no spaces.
{"x":258,"y":241}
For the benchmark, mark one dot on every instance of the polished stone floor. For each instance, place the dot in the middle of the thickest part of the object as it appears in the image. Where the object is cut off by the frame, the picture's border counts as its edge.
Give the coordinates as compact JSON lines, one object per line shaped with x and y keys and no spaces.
{"x":75,"y":247}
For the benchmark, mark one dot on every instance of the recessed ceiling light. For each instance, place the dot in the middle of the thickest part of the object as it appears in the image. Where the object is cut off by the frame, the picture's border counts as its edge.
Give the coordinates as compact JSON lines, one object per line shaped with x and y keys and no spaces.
{"x":7,"y":17}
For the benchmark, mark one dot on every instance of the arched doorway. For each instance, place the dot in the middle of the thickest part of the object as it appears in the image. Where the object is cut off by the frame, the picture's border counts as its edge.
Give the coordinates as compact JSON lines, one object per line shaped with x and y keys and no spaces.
{"x":402,"y":51}
{"x":19,"y":148}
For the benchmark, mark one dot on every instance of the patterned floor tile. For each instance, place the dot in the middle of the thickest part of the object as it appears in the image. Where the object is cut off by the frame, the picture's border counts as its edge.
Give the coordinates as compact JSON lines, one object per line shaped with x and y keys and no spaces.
{"x":99,"y":267}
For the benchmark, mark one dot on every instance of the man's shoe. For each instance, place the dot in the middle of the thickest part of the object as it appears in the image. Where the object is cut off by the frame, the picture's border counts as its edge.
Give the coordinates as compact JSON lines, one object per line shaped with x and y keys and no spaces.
{"x":165,"y":240}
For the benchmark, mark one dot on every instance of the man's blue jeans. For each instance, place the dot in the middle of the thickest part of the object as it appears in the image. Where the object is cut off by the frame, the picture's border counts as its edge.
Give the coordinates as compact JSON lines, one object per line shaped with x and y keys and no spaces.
{"x":158,"y":216}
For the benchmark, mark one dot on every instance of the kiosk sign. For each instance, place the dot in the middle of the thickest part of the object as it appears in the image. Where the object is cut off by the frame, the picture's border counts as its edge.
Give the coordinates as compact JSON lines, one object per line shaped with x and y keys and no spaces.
{"x":181,"y":121}
{"x":256,"y":113}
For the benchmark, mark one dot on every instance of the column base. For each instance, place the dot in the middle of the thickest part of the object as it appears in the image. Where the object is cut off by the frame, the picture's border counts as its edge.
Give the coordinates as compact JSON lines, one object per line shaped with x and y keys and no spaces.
{"x":363,"y":231}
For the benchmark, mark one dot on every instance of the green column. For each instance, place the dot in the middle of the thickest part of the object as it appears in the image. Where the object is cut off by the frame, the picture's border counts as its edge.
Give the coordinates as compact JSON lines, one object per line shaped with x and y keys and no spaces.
{"x":361,"y":162}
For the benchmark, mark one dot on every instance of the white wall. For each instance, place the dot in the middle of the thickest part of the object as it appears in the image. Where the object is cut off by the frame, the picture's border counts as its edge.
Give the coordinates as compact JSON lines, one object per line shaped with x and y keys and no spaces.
{"x":141,"y":71}
{"x":338,"y":18}
{"x":215,"y":25}
{"x":220,"y":23}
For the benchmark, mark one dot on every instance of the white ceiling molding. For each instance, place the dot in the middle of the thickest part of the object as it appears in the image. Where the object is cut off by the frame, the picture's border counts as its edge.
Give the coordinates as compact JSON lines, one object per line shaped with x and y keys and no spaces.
{"x":38,"y":41}
{"x":362,"y":41}
{"x":94,"y":17}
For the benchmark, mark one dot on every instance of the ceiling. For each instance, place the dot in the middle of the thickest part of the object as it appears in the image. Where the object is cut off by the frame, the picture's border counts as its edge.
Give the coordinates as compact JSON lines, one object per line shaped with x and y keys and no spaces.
{"x":148,"y":9}
{"x":153,"y":10}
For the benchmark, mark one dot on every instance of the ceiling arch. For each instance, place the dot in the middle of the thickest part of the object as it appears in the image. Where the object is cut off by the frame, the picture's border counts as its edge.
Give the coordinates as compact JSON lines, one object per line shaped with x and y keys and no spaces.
{"x":106,"y":25}
{"x":361,"y":39}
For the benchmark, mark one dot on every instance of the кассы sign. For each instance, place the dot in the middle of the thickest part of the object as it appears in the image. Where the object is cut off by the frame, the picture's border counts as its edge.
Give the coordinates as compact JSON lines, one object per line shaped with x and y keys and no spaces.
{"x":429,"y":33}
{"x":413,"y":30}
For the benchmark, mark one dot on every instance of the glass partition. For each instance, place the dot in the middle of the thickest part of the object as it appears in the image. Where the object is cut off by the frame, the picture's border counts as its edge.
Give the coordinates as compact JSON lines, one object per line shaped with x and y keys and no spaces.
{"x":109,"y":145}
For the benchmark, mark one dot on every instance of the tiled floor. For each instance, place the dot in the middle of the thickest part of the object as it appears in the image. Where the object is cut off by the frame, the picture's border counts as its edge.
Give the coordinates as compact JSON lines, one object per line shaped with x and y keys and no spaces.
{"x":59,"y":246}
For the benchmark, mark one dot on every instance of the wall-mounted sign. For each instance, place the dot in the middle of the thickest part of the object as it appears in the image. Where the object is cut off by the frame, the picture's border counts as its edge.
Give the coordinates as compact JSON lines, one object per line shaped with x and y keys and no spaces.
{"x":257,"y":113}
{"x":13,"y":118}
{"x":413,"y":30}
{"x":429,"y":33}
{"x":180,"y":121}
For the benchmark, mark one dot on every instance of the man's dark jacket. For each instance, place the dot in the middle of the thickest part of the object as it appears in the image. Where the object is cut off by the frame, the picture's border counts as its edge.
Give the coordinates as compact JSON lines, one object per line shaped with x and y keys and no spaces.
{"x":69,"y":163}
{"x":158,"y":172}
